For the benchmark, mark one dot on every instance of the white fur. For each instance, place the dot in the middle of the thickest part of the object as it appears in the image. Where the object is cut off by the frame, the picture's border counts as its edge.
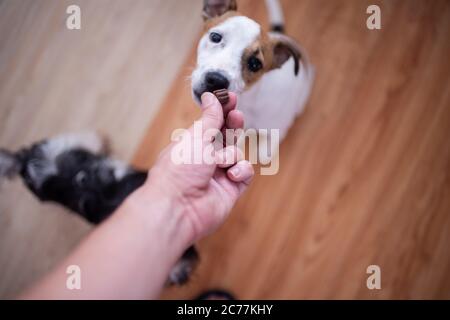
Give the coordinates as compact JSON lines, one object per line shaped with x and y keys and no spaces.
{"x":89,"y":141}
{"x":42,"y":168}
{"x":237,"y":34}
{"x":181,"y":268}
{"x":274,"y":102}
{"x":120,"y":168}
{"x":275,"y":13}
{"x":277,"y":98}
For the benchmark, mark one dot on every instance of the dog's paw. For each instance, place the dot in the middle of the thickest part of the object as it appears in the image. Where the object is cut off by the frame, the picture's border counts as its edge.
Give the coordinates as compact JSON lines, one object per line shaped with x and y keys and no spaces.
{"x":181,"y":272}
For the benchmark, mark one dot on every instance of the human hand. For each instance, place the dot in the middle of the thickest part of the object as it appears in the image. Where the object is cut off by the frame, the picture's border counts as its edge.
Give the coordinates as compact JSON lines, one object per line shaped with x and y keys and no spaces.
{"x":205,"y":191}
{"x":145,"y":237}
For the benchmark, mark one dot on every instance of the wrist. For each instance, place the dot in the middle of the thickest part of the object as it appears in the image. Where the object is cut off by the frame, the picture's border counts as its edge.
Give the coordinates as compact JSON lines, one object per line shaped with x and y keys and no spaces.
{"x":161,"y":213}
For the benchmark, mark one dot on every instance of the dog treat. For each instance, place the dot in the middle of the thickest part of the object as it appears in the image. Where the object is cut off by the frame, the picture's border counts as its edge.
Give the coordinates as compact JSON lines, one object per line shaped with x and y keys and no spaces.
{"x":222,"y":96}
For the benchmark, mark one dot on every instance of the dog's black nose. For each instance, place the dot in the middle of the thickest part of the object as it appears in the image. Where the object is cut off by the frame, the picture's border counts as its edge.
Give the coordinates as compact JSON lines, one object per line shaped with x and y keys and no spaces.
{"x":215,"y":81}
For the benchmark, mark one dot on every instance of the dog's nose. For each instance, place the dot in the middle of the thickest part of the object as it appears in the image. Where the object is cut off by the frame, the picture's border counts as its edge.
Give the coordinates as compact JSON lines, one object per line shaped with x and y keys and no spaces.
{"x":215,"y":81}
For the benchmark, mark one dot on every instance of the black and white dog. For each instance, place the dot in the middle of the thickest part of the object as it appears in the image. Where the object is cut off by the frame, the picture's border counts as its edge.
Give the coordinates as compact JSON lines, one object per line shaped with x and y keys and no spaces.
{"x":76,"y":171}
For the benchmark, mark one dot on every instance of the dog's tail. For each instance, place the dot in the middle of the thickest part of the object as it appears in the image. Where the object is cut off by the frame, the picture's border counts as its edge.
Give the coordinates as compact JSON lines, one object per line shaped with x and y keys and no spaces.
{"x":41,"y":155}
{"x":276,"y":18}
{"x":10,"y":164}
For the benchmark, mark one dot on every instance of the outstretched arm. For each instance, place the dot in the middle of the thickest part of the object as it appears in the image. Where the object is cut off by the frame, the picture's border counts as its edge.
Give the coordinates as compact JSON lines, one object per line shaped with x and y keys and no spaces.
{"x":129,"y":256}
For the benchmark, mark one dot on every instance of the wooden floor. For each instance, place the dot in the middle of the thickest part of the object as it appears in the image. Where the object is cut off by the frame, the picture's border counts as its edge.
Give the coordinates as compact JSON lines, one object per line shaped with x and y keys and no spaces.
{"x":364,"y":174}
{"x":110,"y":76}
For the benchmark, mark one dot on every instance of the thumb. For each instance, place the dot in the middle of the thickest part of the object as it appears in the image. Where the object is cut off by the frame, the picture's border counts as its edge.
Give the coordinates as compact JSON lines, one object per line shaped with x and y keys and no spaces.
{"x":212,"y":113}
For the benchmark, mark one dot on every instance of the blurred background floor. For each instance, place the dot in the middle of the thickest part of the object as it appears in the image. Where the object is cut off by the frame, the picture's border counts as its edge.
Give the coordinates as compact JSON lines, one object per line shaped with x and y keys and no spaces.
{"x":111,"y":76}
{"x":364,"y":174}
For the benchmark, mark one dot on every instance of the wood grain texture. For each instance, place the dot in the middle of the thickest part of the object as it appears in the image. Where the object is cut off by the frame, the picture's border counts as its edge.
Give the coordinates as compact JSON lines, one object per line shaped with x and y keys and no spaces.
{"x":364,"y":173}
{"x":110,"y":76}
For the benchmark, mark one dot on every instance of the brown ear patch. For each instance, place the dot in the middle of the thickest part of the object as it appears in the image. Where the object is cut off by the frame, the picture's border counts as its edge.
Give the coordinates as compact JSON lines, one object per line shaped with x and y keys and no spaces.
{"x":284,"y":48}
{"x":262,"y":50}
{"x":216,"y":8}
{"x":272,"y":51}
{"x":219,"y":20}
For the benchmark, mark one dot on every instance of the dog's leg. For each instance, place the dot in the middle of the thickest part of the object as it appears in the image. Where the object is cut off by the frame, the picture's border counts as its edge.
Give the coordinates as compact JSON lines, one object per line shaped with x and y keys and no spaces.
{"x":181,"y":272}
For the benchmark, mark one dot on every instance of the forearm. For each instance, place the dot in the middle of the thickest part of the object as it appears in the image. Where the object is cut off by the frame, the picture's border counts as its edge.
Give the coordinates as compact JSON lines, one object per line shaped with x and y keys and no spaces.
{"x":129,"y":256}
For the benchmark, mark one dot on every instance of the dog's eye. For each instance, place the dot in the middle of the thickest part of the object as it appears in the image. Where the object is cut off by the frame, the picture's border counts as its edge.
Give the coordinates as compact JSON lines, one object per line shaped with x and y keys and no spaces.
{"x":215,"y":37}
{"x":254,"y":64}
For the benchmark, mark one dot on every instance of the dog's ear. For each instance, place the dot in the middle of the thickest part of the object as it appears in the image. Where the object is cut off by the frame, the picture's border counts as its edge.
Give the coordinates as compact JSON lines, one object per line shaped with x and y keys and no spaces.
{"x":216,"y":8}
{"x":283,"y":48}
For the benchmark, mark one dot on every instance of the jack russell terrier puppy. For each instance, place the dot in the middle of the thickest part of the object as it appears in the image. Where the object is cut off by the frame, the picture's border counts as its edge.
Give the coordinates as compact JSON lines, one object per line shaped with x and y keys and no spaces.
{"x":269,"y":72}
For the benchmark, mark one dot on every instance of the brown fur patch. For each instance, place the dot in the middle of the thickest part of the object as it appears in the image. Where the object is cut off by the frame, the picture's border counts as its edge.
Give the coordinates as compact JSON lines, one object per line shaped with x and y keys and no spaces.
{"x":215,"y":8}
{"x":210,"y":23}
{"x":262,"y":49}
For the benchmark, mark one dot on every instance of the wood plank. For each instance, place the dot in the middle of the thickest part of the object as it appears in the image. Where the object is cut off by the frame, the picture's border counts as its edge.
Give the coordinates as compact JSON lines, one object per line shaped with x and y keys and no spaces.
{"x":110,"y":76}
{"x":364,"y":173}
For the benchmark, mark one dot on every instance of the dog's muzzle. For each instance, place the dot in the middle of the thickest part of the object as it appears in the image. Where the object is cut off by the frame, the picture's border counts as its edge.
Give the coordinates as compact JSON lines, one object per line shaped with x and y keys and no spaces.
{"x":212,"y":81}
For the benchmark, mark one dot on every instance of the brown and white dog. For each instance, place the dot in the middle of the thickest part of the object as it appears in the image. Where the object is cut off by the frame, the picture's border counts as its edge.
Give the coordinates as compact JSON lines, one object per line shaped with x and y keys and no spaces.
{"x":268,"y":71}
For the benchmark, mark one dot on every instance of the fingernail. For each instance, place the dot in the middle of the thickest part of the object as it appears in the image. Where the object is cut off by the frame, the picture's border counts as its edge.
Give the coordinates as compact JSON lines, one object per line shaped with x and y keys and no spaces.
{"x":235,"y":171}
{"x":207,"y":99}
